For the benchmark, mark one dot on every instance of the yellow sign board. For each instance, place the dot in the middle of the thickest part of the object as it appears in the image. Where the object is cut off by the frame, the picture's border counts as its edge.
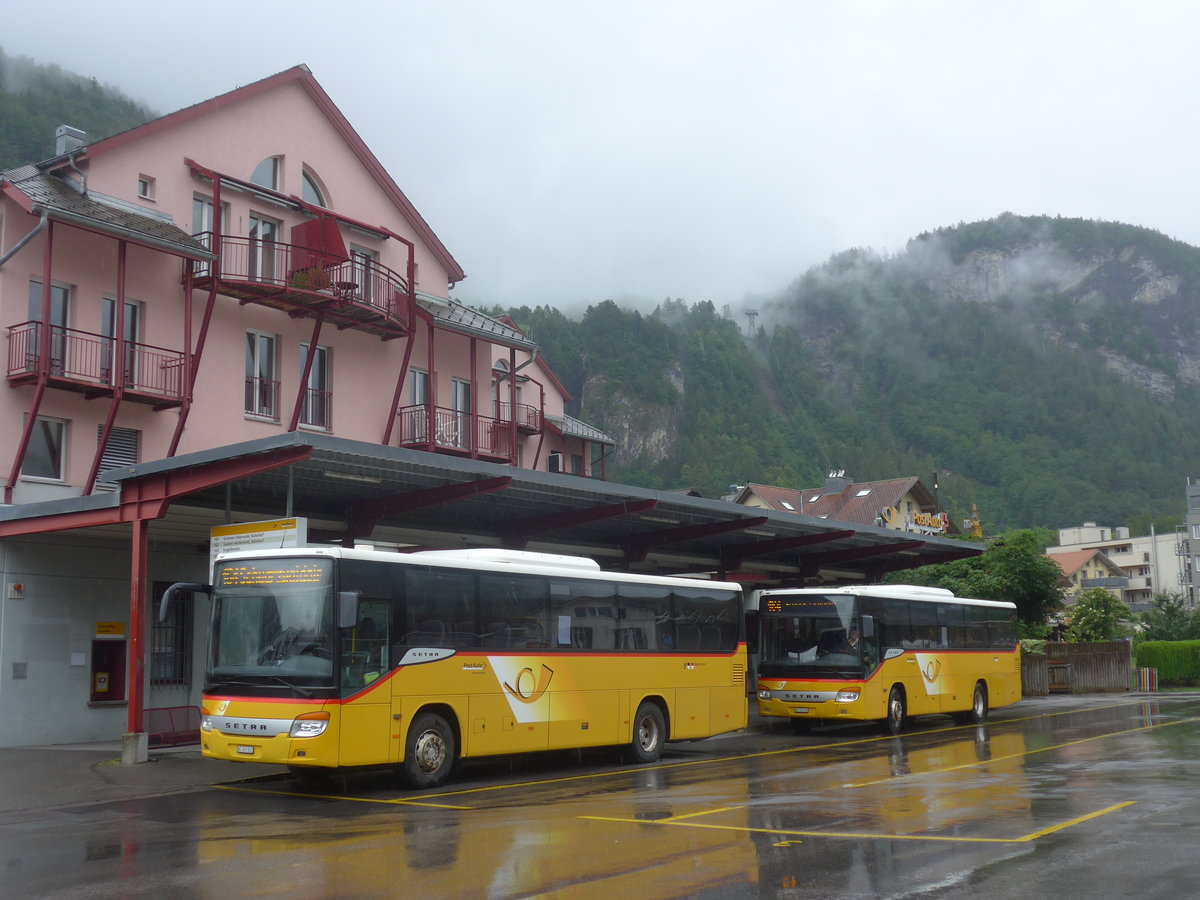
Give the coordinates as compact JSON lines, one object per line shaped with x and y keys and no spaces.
{"x":110,"y":628}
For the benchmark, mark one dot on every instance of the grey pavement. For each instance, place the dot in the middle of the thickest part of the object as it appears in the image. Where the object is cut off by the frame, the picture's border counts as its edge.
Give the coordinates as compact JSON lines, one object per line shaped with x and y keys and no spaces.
{"x":61,"y":775}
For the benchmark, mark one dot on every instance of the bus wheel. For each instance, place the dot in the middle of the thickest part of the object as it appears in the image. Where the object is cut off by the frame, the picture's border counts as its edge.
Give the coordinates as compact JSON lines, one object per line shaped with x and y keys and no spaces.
{"x":429,"y":751}
{"x":979,"y":707}
{"x":895,"y":710}
{"x":649,"y":733}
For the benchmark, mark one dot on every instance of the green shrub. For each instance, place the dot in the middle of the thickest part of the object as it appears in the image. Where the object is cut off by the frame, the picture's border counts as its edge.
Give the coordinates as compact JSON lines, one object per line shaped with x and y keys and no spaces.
{"x":1178,"y":662}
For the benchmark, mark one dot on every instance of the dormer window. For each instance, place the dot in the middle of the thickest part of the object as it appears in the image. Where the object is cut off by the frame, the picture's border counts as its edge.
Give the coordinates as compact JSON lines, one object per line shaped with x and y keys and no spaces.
{"x":310,"y":190}
{"x":266,"y":173}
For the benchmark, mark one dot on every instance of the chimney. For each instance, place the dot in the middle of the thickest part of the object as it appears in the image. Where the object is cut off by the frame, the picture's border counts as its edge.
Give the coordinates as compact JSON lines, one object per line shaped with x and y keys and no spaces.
{"x":836,"y":481}
{"x":67,"y":139}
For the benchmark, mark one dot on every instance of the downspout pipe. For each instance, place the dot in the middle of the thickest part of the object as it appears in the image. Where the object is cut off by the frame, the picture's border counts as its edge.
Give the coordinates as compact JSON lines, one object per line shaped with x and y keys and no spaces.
{"x":37,"y":229}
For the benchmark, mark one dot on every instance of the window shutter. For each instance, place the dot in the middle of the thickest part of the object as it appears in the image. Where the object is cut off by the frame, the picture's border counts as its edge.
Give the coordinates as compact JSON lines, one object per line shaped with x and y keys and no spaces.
{"x":122,"y":450}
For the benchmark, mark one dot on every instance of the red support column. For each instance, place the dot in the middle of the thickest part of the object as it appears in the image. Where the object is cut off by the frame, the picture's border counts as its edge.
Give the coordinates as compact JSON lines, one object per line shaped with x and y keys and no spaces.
{"x":136,"y":740}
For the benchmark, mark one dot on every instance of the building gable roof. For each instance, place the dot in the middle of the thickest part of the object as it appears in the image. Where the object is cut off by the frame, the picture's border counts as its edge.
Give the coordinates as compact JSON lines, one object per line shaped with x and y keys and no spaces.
{"x":302,"y":76}
{"x":1073,"y":561}
{"x":860,"y":503}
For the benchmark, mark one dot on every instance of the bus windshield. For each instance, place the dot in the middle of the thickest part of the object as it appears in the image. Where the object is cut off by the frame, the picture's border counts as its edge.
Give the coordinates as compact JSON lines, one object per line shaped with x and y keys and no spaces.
{"x":272,"y":621}
{"x":816,"y":635}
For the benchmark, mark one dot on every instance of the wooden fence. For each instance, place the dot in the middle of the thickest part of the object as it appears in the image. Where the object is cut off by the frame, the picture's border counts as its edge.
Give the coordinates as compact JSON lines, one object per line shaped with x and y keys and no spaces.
{"x":1077,"y":669}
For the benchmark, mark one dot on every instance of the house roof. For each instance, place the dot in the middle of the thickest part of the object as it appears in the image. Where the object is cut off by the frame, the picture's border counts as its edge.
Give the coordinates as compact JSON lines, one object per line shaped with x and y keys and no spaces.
{"x":63,"y":200}
{"x":454,"y":316}
{"x":572,"y":427}
{"x":860,"y":503}
{"x":1073,"y":561}
{"x":302,"y":76}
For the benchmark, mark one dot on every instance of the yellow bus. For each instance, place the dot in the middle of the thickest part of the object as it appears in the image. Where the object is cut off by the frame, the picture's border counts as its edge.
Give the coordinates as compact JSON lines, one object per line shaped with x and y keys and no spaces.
{"x":883,"y":653}
{"x":328,"y":658}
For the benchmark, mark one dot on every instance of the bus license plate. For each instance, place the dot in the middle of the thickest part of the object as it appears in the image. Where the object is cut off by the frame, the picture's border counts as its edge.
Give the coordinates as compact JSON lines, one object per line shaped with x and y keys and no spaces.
{"x":800,"y":710}
{"x":245,"y":749}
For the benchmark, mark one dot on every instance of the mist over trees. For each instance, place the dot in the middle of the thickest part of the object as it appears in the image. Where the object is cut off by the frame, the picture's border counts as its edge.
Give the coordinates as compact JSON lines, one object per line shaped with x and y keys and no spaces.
{"x":35,"y":99}
{"x":1001,"y":382}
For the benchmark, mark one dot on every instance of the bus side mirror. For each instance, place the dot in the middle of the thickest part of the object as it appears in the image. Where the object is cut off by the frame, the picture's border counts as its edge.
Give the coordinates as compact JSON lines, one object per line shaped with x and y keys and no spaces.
{"x":347,"y":608}
{"x":868,"y":626}
{"x":168,"y":597}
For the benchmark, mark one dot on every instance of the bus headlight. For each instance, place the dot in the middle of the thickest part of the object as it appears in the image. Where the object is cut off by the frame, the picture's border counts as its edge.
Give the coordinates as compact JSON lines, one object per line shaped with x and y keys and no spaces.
{"x":309,"y":725}
{"x":206,"y":723}
{"x":764,"y":695}
{"x":847,"y":696}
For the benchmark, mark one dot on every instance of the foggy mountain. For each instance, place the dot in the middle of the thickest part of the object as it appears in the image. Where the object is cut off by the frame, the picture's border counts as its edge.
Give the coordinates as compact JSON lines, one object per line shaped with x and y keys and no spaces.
{"x":1046,"y":369}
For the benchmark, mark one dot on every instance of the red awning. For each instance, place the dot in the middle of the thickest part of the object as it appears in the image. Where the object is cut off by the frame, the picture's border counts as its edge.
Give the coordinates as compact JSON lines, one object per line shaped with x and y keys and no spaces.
{"x":317,"y":243}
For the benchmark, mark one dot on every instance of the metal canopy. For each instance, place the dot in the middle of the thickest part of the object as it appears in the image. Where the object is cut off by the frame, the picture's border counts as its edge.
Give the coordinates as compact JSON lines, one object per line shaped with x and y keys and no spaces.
{"x":413,"y":499}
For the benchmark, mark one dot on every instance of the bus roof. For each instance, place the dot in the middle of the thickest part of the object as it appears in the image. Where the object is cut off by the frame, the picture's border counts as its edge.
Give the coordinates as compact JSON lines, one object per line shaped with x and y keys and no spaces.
{"x":487,"y":559}
{"x":888,"y":591}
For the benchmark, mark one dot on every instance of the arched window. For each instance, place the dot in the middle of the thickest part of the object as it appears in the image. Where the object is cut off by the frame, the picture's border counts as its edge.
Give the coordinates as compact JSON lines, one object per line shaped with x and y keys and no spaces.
{"x":266,"y":173}
{"x":310,"y":189}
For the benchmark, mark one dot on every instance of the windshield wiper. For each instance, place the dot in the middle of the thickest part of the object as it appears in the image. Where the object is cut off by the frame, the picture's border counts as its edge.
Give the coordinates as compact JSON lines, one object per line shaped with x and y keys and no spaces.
{"x":302,"y":691}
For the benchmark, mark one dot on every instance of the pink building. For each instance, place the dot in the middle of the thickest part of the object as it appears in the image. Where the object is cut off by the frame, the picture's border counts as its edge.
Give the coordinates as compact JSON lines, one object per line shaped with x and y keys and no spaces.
{"x":318,"y":298}
{"x":229,"y":273}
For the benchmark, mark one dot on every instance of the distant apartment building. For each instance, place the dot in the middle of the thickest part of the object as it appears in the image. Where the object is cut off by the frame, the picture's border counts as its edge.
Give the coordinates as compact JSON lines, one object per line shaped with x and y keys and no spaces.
{"x":1133,"y":569}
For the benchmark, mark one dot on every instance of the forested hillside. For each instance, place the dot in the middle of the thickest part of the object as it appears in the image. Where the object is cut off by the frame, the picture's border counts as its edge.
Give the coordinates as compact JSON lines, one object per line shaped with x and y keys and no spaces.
{"x":1047,"y":369}
{"x":35,"y":99}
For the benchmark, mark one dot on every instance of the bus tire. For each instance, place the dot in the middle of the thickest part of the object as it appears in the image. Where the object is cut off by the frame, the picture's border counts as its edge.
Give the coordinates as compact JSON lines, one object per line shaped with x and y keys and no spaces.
{"x":896,"y":711}
{"x":979,"y":707}
{"x":649,"y":733}
{"x":429,"y":751}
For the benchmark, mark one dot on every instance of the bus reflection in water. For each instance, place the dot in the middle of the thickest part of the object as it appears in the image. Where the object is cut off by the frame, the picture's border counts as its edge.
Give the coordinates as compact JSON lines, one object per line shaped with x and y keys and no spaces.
{"x":327,"y":658}
{"x":885,"y":653}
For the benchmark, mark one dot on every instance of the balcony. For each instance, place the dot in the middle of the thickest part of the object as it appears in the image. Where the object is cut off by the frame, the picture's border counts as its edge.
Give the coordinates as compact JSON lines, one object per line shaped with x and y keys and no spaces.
{"x":442,"y":430}
{"x":1113,"y":583}
{"x":85,"y":362}
{"x":529,"y":418}
{"x":355,"y":294}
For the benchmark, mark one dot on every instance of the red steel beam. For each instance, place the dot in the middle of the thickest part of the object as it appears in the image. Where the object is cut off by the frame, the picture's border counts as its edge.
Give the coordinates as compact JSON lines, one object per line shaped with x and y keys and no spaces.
{"x":364,"y":515}
{"x":149,"y":496}
{"x":732,"y":557}
{"x":517,"y":535}
{"x":636,"y":546}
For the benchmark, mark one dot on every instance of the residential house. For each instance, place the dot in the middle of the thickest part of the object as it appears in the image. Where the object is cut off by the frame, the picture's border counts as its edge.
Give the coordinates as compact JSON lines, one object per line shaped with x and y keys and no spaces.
{"x":902,"y":504}
{"x":1150,"y":562}
{"x":1083,"y":570}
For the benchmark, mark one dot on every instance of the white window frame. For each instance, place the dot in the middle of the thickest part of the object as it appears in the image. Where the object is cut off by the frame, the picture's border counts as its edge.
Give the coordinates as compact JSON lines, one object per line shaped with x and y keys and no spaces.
{"x":254,"y":370}
{"x":321,"y":373}
{"x":60,"y":478}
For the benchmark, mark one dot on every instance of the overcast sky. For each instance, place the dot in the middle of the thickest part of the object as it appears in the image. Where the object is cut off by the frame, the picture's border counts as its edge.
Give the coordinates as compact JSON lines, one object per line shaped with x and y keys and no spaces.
{"x":568,"y":152}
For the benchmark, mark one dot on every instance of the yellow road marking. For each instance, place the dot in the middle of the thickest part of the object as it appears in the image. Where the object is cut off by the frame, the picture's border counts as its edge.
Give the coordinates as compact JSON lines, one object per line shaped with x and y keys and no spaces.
{"x":864,"y":835}
{"x":1053,"y":828}
{"x":397,"y":801}
{"x":986,"y":762}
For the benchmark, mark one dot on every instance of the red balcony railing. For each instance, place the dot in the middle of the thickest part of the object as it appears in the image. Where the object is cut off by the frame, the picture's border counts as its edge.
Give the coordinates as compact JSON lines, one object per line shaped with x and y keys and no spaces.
{"x":87,"y":362}
{"x":449,"y":431}
{"x":262,"y":397}
{"x":360,"y":293}
{"x":316,"y":409}
{"x":529,"y":418}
